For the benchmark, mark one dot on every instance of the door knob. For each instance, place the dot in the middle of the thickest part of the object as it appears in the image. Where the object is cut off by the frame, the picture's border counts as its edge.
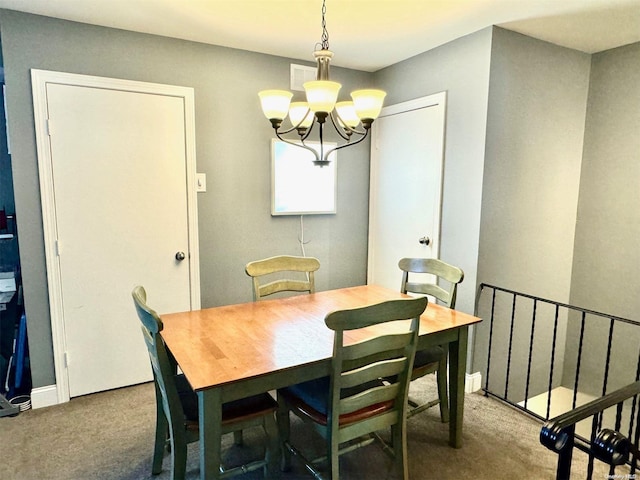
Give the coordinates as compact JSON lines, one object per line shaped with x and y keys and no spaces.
{"x":180,"y":256}
{"x":425,"y":241}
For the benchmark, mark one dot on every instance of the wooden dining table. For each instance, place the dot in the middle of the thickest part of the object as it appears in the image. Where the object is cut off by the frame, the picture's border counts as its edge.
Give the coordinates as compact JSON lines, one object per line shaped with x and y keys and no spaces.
{"x":233,"y":351}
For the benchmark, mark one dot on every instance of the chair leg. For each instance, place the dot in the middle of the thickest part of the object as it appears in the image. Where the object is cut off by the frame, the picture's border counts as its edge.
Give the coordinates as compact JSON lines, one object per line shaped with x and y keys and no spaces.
{"x":273,"y":456}
{"x":334,"y":456}
{"x":238,"y":439}
{"x":162,"y":434}
{"x":179,"y":458}
{"x":442,"y":390}
{"x":284,"y":429}
{"x":159,"y":449}
{"x":399,"y":442}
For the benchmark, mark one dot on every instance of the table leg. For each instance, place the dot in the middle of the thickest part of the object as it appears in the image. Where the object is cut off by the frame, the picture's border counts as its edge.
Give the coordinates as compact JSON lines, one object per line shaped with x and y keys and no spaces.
{"x":210,"y":425}
{"x":457,"y":371}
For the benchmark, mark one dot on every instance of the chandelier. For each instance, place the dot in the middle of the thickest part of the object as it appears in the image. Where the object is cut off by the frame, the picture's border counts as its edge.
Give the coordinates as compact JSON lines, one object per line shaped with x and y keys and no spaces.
{"x":349,"y":118}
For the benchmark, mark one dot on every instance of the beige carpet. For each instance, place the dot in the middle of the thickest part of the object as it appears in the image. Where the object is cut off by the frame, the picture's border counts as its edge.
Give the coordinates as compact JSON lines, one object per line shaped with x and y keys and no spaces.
{"x":110,"y":436}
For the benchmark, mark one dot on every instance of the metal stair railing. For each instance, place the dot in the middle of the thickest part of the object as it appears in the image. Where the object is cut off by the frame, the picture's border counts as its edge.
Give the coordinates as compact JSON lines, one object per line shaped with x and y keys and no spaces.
{"x":525,"y":353}
{"x":607,"y":445}
{"x":547,"y":358}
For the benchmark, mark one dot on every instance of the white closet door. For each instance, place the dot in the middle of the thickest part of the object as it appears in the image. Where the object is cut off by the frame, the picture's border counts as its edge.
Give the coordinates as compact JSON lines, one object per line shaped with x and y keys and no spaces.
{"x":406,"y":186}
{"x":119,"y":175}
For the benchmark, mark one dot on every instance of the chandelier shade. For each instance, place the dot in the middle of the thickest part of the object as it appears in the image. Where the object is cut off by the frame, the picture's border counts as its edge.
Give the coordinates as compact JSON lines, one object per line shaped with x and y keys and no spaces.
{"x":275,"y":103}
{"x":368,"y":103}
{"x":347,"y":114}
{"x":322,"y":107}
{"x":300,"y":115}
{"x":322,"y":95}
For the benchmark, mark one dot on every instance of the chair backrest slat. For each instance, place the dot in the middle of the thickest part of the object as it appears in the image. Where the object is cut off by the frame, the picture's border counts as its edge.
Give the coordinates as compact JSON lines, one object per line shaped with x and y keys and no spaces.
{"x":373,"y":396}
{"x":381,"y":369}
{"x":267,"y":275}
{"x":376,"y":346}
{"x":433,"y":266}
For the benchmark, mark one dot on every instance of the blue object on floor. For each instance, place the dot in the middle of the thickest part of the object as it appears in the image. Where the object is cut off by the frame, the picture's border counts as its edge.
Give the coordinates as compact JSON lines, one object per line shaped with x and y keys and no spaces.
{"x":21,"y":350}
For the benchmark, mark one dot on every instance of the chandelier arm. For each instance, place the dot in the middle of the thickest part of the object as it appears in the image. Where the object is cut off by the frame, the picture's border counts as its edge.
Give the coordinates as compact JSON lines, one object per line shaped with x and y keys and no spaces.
{"x":364,"y":134}
{"x":296,"y":127}
{"x":284,"y":132}
{"x":307,"y":133}
{"x":339,"y":128}
{"x":301,"y":145}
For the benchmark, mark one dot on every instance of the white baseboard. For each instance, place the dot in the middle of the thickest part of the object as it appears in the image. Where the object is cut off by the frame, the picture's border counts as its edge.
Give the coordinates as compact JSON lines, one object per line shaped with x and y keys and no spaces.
{"x":44,"y":396}
{"x":473,"y":382}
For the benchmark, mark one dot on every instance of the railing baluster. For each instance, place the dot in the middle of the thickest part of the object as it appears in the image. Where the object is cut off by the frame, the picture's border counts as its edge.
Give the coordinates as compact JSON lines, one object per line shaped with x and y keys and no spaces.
{"x":564,"y":457}
{"x":634,"y":403}
{"x":594,"y":431}
{"x":606,"y":363}
{"x":493,"y":306}
{"x":608,"y":360}
{"x":533,"y":328}
{"x":513,"y":318}
{"x":619,"y":410}
{"x":635,"y":415}
{"x":636,"y":438}
{"x":575,"y":387}
{"x":553,"y":357}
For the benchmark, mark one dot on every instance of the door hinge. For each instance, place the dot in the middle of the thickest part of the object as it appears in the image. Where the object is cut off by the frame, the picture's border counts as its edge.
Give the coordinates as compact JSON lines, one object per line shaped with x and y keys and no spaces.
{"x":66,"y":359}
{"x":58,"y":248}
{"x":49,"y":128}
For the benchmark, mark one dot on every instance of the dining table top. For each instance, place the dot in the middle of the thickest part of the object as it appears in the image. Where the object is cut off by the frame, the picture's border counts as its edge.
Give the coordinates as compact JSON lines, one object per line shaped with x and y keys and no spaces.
{"x":222,"y":345}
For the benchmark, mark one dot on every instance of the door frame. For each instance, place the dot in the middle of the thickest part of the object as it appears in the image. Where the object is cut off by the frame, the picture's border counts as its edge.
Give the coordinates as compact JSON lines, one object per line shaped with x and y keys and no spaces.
{"x":39,"y":81}
{"x":436,"y":99}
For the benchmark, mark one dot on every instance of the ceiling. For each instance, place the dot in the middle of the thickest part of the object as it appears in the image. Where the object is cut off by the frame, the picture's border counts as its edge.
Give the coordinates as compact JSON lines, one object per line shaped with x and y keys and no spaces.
{"x":364,"y":34}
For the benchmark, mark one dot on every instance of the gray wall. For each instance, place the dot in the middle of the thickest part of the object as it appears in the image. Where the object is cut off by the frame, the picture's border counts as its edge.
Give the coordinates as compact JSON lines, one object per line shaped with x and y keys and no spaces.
{"x":516,"y":111}
{"x":461,"y":68}
{"x":560,"y":215}
{"x":232,"y":147}
{"x":609,"y":205}
{"x":535,"y":128}
{"x":606,"y":256}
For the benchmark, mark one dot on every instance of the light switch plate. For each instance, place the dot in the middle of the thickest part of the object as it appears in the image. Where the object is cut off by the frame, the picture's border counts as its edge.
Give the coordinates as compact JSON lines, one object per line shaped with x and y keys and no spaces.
{"x":201,"y":182}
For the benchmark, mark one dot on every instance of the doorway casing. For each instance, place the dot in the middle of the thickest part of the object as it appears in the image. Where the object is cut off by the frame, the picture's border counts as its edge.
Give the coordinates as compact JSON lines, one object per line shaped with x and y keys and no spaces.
{"x":40,"y":78}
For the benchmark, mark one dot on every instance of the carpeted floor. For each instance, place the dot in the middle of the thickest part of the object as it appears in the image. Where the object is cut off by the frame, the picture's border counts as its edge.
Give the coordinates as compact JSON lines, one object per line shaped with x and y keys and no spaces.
{"x":109,"y":436}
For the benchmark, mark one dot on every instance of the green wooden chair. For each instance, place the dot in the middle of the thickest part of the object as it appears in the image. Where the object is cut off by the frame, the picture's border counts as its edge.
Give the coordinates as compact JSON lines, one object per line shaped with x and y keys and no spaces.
{"x":350,"y":406}
{"x":272,"y":275}
{"x":177,"y":407}
{"x":433,"y":359}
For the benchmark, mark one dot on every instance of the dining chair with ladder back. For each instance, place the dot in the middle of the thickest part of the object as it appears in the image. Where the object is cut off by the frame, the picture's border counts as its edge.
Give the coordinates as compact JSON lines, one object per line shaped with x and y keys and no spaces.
{"x":351,"y":405}
{"x":432,"y":359}
{"x":283,"y":273}
{"x":177,"y":407}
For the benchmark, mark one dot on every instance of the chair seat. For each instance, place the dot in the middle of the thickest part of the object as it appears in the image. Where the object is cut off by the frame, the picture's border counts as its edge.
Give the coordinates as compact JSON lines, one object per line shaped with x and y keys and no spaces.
{"x":245,"y":408}
{"x":311,"y":399}
{"x":428,"y":356}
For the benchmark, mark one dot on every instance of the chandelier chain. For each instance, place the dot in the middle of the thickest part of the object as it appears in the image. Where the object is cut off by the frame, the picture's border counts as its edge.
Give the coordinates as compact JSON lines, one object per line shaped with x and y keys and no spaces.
{"x":325,"y":33}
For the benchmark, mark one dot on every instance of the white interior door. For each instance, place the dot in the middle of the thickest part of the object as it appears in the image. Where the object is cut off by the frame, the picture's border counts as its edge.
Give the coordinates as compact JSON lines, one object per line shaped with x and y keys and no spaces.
{"x":120,"y":207}
{"x":407,"y":152}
